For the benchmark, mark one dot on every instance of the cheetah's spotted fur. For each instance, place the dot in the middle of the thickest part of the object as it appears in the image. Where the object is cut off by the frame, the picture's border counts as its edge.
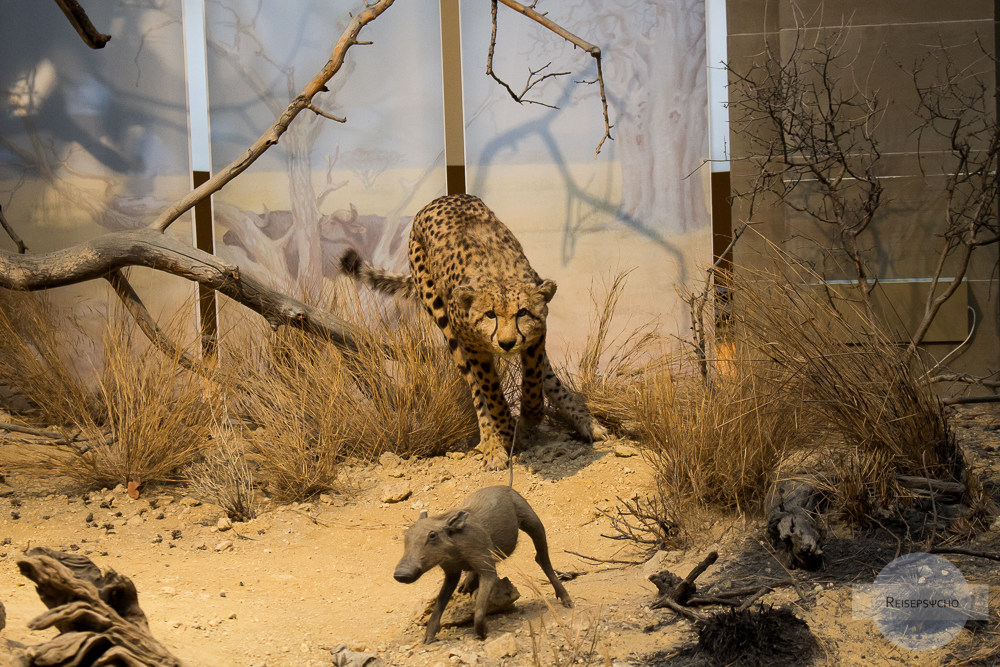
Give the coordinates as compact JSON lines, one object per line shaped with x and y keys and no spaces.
{"x":473,"y":278}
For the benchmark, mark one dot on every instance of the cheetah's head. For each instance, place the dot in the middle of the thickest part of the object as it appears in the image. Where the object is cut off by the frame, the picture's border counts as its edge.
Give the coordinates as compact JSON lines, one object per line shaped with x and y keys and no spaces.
{"x":507,"y":317}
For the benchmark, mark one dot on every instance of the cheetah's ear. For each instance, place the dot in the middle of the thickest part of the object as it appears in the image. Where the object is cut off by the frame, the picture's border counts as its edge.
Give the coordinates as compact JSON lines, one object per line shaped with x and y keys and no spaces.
{"x":547,"y":290}
{"x":462,"y":296}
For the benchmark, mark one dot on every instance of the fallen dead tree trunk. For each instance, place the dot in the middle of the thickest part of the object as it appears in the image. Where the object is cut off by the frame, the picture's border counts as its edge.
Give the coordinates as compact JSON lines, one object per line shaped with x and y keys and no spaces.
{"x":99,"y":257}
{"x":97,"y":615}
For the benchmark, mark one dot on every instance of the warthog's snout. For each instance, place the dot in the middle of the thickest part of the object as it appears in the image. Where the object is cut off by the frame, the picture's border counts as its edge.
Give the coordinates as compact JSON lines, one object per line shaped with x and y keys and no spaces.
{"x":405,"y":575}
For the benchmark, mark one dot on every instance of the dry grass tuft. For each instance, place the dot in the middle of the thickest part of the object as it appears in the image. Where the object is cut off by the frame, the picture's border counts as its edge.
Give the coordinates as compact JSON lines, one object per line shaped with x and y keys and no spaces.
{"x":224,"y":476}
{"x":718,"y":441}
{"x":315,"y":408}
{"x":36,"y":351}
{"x":139,"y":418}
{"x":862,"y":395}
{"x":564,"y":637}
{"x":611,"y":365}
{"x":151,"y":418}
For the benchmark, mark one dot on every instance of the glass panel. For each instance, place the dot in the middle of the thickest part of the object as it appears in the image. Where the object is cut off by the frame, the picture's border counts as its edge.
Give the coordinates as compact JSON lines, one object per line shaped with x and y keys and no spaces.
{"x":326,"y":185}
{"x":643,"y":202}
{"x":93,"y":141}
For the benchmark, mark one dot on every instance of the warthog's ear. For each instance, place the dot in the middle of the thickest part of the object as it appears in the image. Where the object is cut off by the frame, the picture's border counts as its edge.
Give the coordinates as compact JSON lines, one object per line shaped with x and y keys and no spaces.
{"x":547,"y":290}
{"x":423,"y":515}
{"x":457,"y":522}
{"x":462,"y":296}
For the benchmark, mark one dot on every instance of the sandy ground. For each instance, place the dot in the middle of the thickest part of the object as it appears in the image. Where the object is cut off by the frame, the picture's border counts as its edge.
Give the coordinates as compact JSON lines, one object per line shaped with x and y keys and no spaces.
{"x":290,"y":586}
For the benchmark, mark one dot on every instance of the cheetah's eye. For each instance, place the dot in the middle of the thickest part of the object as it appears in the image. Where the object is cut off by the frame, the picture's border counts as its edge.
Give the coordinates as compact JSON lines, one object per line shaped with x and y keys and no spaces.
{"x":522,"y":312}
{"x":490,"y":314}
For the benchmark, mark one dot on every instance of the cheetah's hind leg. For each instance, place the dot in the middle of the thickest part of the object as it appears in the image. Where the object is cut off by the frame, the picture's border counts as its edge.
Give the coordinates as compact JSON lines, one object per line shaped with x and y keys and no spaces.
{"x":571,"y":408}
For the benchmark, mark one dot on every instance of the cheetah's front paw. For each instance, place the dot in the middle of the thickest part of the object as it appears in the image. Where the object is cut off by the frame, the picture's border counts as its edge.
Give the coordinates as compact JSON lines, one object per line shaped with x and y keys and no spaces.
{"x":597,"y":431}
{"x":494,"y":453}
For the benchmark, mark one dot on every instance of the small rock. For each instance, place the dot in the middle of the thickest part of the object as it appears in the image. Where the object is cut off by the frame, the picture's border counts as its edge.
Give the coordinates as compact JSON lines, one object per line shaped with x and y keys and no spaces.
{"x":502,"y":647}
{"x":188,"y":501}
{"x":326,"y":498}
{"x":345,"y":657}
{"x":397,"y":473}
{"x":6,"y":490}
{"x":203,"y":514}
{"x":395,"y":493}
{"x":225,"y":545}
{"x":201,"y":545}
{"x":175,"y":534}
{"x":120,"y":489}
{"x":224,"y":524}
{"x":458,"y":456}
{"x":996,"y":524}
{"x":624,"y":451}
{"x":390,"y":460}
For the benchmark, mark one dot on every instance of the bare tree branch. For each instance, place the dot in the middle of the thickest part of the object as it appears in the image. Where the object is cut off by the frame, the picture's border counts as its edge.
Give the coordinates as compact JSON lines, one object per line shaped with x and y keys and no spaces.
{"x":549,"y":24}
{"x":110,"y":252}
{"x":78,"y":18}
{"x":137,"y":309}
{"x":956,"y":104}
{"x":303,"y":101}
{"x":21,"y":248}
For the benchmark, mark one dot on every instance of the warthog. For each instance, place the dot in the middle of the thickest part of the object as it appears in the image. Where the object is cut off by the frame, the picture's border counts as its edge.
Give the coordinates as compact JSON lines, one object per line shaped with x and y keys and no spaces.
{"x":473,"y":538}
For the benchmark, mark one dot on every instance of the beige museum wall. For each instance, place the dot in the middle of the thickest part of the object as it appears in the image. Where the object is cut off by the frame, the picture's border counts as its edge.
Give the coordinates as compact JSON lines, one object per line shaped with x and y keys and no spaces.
{"x":885,"y":40}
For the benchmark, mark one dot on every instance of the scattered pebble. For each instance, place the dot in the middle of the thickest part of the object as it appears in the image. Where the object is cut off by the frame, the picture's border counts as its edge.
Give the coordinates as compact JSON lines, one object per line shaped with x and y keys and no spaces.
{"x":624,"y":451}
{"x":503,"y":646}
{"x":395,"y":493}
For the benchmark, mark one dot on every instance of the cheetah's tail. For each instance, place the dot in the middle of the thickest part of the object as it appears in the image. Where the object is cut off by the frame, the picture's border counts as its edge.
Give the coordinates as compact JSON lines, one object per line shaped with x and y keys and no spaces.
{"x":400,"y":284}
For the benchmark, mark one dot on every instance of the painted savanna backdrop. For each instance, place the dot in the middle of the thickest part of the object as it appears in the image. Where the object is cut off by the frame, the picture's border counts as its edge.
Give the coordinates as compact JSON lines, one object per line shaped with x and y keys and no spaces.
{"x":100,"y":140}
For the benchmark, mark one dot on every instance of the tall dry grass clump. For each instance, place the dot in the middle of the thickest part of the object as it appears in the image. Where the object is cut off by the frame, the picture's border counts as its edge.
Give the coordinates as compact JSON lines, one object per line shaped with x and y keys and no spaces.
{"x":37,"y":348}
{"x":225,"y":476}
{"x":135,"y":414}
{"x":315,"y":407}
{"x":718,"y":440}
{"x":715,"y":440}
{"x":857,"y":384}
{"x":614,"y":358}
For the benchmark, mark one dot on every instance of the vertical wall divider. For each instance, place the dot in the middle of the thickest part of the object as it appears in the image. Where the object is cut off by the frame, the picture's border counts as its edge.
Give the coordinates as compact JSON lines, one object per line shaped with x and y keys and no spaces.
{"x":205,"y":240}
{"x":454,"y":116}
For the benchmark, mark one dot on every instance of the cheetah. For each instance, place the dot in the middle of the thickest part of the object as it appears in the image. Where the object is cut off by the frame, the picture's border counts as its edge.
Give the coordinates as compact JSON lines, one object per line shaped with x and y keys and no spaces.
{"x":471,"y":275}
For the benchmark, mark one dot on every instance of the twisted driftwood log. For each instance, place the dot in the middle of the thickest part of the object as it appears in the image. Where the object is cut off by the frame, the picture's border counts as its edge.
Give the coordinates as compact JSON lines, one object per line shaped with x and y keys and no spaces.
{"x":98,"y":616}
